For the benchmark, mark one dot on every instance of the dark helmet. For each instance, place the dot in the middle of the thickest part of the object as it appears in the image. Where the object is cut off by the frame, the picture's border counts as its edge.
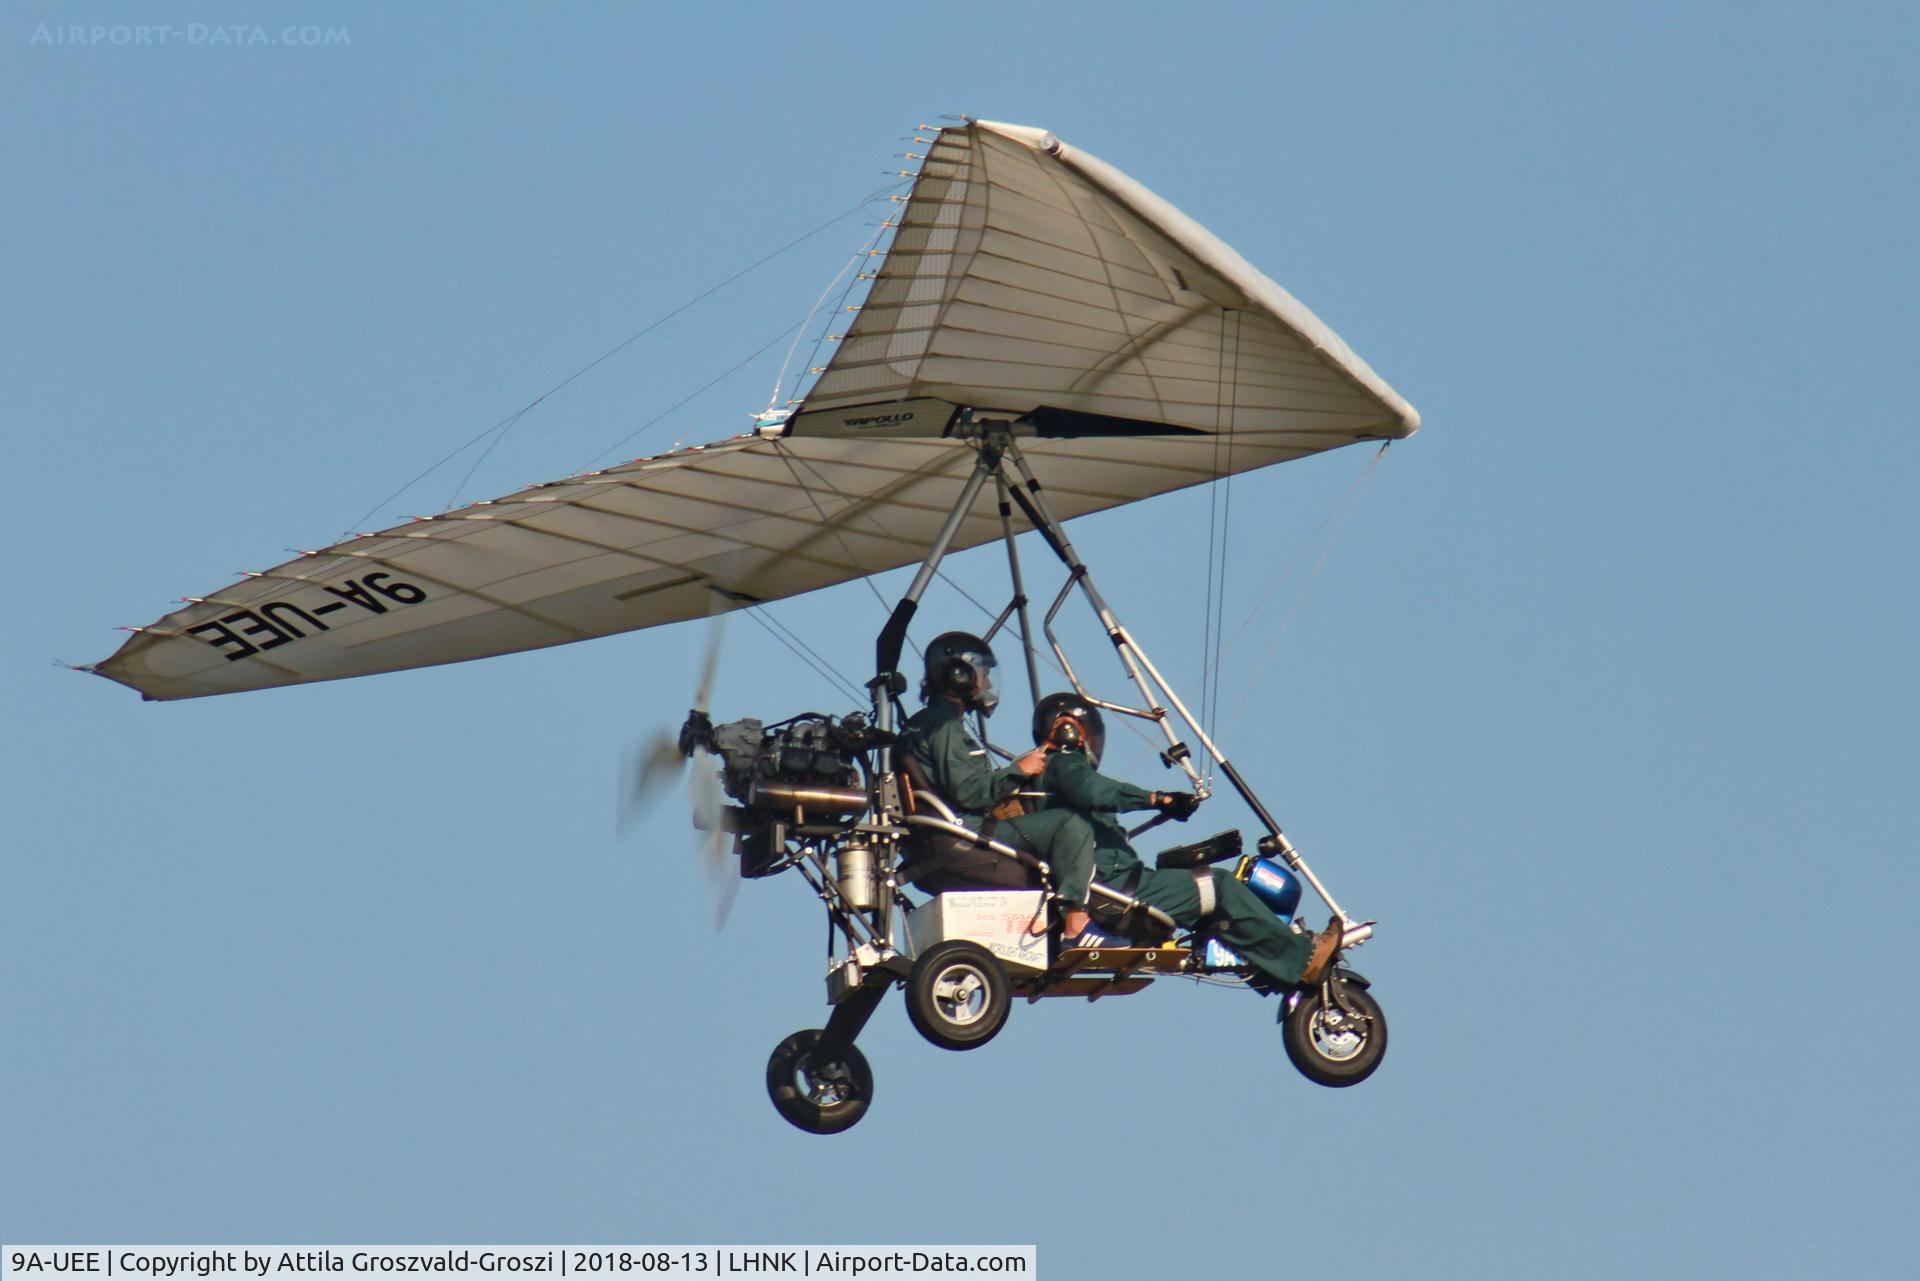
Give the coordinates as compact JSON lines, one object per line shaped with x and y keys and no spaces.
{"x":1069,"y":721}
{"x":961,"y":664}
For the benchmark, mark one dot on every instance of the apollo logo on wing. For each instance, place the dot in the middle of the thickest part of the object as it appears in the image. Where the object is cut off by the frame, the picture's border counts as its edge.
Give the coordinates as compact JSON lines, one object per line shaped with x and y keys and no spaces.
{"x":871,"y":421}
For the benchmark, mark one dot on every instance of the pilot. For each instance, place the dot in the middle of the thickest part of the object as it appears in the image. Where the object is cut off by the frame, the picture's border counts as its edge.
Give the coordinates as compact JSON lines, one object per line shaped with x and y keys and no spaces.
{"x":959,"y":679}
{"x":1073,"y":734}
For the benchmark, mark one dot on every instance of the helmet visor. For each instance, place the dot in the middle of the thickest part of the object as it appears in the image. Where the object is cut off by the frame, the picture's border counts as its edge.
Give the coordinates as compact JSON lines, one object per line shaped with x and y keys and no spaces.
{"x":985,"y":696}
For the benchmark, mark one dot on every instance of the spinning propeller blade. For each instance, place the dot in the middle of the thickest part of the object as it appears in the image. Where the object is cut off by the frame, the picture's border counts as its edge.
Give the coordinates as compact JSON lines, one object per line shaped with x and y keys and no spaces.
{"x":648,"y":773}
{"x":659,"y":766}
{"x":709,"y":815}
{"x":715,"y":630}
{"x":651,"y":770}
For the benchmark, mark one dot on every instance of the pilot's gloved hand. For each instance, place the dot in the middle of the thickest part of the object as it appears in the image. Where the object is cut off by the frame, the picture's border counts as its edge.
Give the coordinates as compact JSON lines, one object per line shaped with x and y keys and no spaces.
{"x":1033,"y":764}
{"x":1176,"y":805}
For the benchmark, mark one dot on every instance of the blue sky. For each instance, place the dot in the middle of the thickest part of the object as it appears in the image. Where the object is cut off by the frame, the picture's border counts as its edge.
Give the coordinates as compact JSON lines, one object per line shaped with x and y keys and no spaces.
{"x":1602,"y":703}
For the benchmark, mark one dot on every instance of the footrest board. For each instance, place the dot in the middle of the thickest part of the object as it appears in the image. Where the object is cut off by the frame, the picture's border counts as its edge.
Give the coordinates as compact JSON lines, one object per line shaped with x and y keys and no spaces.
{"x":1092,"y":987}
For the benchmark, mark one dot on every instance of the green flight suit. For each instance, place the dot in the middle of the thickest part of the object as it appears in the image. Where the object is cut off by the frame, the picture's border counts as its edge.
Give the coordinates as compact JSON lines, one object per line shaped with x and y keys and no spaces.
{"x":1239,"y":919}
{"x":957,"y":767}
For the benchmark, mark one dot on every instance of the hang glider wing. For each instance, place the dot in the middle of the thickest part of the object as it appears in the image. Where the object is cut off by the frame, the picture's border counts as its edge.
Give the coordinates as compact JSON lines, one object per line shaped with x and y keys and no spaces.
{"x":1027,"y":281}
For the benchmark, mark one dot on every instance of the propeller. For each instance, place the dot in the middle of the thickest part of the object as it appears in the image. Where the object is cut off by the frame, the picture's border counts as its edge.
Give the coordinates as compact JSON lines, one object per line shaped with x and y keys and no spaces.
{"x":657,"y":768}
{"x":709,"y":815}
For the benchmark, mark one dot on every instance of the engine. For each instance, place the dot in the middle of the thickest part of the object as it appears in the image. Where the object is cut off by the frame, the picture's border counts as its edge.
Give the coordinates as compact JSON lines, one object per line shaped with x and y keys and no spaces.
{"x":797,"y":777}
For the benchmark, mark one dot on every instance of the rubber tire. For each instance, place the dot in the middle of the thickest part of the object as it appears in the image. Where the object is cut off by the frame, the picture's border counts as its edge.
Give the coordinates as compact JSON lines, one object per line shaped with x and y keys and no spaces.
{"x":941,"y":962}
{"x":1318,"y":1067}
{"x":801,"y":1106}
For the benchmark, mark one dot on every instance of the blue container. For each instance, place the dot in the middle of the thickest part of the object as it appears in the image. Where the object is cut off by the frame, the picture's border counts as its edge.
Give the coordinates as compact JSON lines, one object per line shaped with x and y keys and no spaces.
{"x":1278,"y":888}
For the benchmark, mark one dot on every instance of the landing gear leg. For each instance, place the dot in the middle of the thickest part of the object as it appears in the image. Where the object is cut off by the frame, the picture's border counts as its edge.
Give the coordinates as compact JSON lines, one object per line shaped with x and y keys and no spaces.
{"x":848,"y":1017}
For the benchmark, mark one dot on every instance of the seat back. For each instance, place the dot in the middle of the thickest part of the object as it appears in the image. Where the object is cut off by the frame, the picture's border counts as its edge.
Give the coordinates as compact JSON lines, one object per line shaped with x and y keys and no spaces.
{"x":935,"y":861}
{"x":913,"y":778}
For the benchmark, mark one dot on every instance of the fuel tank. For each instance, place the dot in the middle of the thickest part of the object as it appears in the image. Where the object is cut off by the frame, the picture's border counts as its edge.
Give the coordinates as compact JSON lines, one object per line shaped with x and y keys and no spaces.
{"x":1278,"y":888}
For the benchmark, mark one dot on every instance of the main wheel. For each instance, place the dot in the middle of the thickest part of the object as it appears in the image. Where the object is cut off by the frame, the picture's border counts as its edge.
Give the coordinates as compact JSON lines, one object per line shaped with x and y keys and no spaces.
{"x":958,"y":996}
{"x":1336,"y":1046}
{"x":819,"y":1096}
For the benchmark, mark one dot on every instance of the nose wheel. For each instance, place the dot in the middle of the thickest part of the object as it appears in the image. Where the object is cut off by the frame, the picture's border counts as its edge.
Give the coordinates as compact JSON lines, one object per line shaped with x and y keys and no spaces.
{"x":1336,"y":1035}
{"x":819,"y":1093}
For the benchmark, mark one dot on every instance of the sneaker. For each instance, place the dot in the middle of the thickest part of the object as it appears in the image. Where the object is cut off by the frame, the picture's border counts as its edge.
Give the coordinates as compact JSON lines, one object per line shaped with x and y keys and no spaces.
{"x":1094,"y":936}
{"x":1326,"y":945}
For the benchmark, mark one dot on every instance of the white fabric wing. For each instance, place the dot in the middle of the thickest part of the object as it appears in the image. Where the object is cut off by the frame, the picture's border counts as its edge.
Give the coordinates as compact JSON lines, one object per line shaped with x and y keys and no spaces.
{"x":1028,"y":281}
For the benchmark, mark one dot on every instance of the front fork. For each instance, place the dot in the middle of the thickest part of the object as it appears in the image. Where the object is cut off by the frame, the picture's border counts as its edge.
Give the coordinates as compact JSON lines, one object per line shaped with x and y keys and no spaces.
{"x":1332,"y":995}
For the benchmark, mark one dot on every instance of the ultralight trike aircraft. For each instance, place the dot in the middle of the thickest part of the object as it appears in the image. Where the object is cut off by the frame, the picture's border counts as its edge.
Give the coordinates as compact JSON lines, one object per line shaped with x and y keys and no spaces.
{"x":1040,"y":327}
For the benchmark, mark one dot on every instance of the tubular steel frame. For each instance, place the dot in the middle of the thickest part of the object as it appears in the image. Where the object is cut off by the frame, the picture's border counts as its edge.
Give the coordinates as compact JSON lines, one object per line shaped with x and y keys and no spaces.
{"x":995,"y":450}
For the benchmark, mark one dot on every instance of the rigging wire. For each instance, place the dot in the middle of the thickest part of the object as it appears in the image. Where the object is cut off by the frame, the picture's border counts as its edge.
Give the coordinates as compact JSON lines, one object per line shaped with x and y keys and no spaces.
{"x":506,"y":424}
{"x":773,"y":402}
{"x":1343,"y":509}
{"x":1045,"y":654}
{"x":1226,"y":521}
{"x":841,"y":307}
{"x":1213,"y":520}
{"x":794,"y":462}
{"x":1352,"y":495}
{"x":786,"y":362}
{"x":797,"y":329}
{"x":803,"y":651}
{"x":694,"y":395}
{"x":501,"y":429}
{"x":759,"y":613}
{"x":1219,"y":523}
{"x":780,"y":631}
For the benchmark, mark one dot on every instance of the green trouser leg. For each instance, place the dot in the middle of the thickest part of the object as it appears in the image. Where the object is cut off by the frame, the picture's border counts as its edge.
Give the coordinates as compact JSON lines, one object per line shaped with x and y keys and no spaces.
{"x":1241,"y":920}
{"x":1061,"y":837}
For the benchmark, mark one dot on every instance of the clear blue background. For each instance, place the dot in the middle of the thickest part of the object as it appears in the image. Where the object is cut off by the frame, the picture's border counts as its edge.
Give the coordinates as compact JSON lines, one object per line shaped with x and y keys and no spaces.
{"x":1602,"y":704}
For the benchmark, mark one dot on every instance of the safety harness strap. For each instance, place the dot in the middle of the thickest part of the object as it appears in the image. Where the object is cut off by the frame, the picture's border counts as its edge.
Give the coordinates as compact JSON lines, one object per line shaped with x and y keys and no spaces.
{"x":1203,"y":884}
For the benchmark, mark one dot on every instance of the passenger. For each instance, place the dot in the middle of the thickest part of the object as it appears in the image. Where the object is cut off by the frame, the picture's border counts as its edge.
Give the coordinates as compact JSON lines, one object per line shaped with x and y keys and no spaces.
{"x":959,"y":679}
{"x":1072,"y":733}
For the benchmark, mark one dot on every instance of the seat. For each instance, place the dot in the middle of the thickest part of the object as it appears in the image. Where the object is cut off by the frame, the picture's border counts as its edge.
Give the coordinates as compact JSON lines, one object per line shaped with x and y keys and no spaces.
{"x":943,"y":853}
